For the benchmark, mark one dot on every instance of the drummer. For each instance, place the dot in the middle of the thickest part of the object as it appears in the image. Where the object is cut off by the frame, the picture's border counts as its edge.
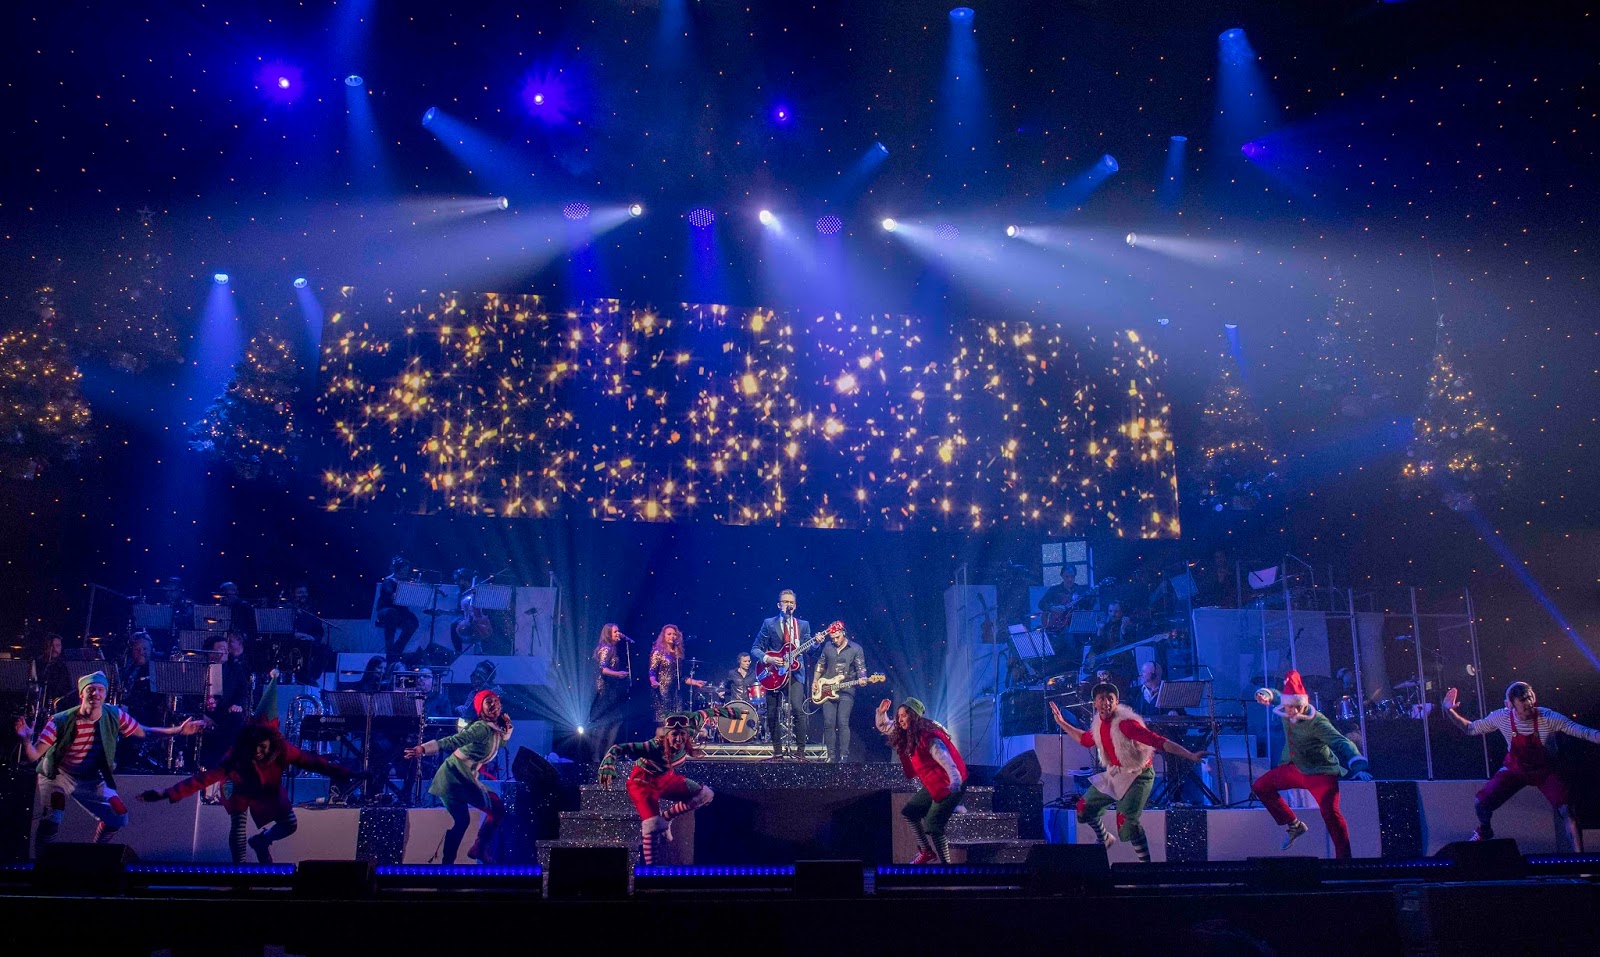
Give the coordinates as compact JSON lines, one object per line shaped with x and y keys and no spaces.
{"x":739,"y":684}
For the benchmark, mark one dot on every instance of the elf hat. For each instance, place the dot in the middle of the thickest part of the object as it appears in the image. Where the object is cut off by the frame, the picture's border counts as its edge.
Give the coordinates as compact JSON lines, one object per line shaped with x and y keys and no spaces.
{"x":478,"y":700}
{"x":915,"y":706}
{"x":93,"y":678}
{"x":1294,"y":692}
{"x":266,"y":712}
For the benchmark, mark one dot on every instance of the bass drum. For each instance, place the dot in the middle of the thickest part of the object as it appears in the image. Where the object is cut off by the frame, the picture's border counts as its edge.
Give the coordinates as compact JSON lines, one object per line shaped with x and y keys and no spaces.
{"x":742,"y":727}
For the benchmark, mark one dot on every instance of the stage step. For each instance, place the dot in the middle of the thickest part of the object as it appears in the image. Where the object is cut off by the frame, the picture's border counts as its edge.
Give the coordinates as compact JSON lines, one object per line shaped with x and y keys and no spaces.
{"x":978,"y":800}
{"x":604,"y":828}
{"x":990,"y":851}
{"x":594,"y":799}
{"x":978,"y":825}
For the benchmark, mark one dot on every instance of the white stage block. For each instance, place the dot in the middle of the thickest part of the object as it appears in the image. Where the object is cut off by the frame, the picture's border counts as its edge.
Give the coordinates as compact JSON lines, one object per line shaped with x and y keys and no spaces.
{"x":1447,"y":815}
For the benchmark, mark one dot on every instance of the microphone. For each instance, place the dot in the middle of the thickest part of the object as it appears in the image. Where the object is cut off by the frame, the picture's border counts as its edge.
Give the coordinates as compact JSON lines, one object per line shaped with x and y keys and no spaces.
{"x":624,"y":637}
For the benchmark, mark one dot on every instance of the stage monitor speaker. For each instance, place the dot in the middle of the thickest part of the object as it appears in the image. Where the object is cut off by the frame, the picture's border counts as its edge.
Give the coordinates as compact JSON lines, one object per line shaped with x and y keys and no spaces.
{"x":591,"y":872}
{"x":829,"y":879}
{"x":1500,"y":858}
{"x":335,"y":880}
{"x":96,"y":870}
{"x":1068,"y":868}
{"x":1294,"y":873}
{"x":532,"y":769}
{"x":1021,"y":771}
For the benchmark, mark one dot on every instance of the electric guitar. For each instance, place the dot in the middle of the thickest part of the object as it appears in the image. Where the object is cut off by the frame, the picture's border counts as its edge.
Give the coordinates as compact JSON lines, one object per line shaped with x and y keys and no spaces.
{"x":826,"y":689}
{"x":773,"y":677}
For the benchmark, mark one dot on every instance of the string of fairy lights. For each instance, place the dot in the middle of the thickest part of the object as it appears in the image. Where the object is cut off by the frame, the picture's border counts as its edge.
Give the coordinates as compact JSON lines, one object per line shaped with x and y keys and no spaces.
{"x":498,"y":405}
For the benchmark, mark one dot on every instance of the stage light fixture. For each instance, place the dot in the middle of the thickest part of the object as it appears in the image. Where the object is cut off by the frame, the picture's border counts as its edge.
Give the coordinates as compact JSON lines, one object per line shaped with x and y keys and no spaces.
{"x":428,"y":117}
{"x":889,"y":225}
{"x":505,"y":202}
{"x":283,"y":83}
{"x":881,"y":148}
{"x":575,"y":211}
{"x":538,"y":99}
{"x":220,"y":278}
{"x":1180,"y":139}
{"x":354,"y":79}
{"x":636,"y":210}
{"x":961,"y":14}
{"x":300,"y":283}
{"x":1013,"y":231}
{"x":1162,"y":320}
{"x":701,"y":217}
{"x":1231,"y":36}
{"x":1231,"y":326}
{"x":766,"y":217}
{"x":829,"y":225}
{"x":1109,"y":162}
{"x":1132,"y":239}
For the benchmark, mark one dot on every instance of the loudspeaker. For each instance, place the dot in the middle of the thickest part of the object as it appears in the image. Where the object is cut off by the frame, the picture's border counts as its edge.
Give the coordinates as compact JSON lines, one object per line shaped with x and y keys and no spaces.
{"x":533,"y":770}
{"x":829,"y":879}
{"x":335,"y":880}
{"x":1068,"y":868}
{"x":1021,"y":771}
{"x":598,"y":872}
{"x":1497,"y":858}
{"x":79,"y":869}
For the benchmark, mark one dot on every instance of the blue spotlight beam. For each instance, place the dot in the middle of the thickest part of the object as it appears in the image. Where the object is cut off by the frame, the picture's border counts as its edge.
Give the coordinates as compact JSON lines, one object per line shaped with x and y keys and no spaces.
{"x":1172,"y":175}
{"x":1520,"y":569}
{"x":499,"y":164}
{"x":963,"y":117}
{"x":1244,"y":103}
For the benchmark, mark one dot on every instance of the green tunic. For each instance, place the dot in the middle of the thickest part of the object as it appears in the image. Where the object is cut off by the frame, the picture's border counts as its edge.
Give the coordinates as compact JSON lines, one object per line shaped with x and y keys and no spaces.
{"x":1315,"y":746}
{"x":456,"y":781}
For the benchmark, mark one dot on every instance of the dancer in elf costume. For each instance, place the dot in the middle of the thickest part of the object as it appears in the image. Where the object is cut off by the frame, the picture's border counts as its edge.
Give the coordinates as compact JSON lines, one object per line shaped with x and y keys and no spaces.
{"x":927,"y":754}
{"x":75,"y":752}
{"x":251,"y":775}
{"x":655,"y":778}
{"x":1126,"y":748}
{"x":456,"y":783}
{"x":1526,"y":728}
{"x":1315,"y":756}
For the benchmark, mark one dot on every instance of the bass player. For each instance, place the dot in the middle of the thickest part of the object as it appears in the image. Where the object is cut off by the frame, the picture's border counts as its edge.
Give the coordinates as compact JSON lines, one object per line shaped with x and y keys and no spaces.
{"x":841,"y":659}
{"x":780,"y":633}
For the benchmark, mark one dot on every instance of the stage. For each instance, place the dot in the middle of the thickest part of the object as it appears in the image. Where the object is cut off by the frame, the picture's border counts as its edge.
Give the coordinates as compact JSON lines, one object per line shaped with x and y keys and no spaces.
{"x":768,"y":813}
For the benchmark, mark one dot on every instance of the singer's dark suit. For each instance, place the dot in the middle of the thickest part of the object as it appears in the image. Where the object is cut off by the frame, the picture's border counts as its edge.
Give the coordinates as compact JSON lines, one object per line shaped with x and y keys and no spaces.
{"x":770,"y":640}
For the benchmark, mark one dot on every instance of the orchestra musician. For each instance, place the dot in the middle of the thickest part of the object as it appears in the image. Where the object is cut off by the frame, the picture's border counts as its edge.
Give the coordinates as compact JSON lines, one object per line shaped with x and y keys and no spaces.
{"x":778,"y":633}
{"x":666,"y":673}
{"x":611,"y":679}
{"x":841,"y":658}
{"x":54,"y":677}
{"x":306,"y":622}
{"x":1055,"y":607}
{"x":232,"y":701}
{"x":398,"y":622}
{"x":139,"y":698}
{"x":473,"y":626}
{"x":241,"y":614}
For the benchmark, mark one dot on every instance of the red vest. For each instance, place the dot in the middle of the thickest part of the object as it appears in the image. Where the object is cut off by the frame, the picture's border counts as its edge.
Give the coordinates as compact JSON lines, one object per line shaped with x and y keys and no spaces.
{"x":924,"y":768}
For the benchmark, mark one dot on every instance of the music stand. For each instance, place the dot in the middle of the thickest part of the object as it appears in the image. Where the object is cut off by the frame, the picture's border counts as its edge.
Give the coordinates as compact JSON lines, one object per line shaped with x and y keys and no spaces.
{"x":274,"y":621}
{"x":172,"y":679}
{"x":152,"y":617}
{"x":213,"y":618}
{"x":1180,"y":695}
{"x":1086,"y":623}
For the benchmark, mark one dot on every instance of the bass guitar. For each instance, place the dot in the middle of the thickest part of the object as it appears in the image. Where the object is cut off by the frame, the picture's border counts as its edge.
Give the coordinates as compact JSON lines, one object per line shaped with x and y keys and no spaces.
{"x":773,"y":677}
{"x":826,"y":689}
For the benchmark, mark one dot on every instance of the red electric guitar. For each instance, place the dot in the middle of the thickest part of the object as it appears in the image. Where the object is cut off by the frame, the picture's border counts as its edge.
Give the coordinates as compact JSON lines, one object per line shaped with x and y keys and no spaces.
{"x":772,"y":677}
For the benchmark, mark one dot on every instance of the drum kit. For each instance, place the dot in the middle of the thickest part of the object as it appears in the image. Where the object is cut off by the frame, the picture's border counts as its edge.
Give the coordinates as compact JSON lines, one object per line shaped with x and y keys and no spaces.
{"x":1405,"y":702}
{"x":745,"y":725}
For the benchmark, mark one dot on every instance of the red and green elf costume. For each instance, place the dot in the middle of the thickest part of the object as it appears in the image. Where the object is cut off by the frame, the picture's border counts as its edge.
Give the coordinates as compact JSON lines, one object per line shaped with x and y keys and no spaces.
{"x":654,"y":778}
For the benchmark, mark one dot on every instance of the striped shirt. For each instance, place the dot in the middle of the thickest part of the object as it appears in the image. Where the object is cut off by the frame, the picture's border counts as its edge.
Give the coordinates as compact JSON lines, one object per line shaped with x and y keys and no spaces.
{"x":83,"y":739}
{"x":1545,"y":722}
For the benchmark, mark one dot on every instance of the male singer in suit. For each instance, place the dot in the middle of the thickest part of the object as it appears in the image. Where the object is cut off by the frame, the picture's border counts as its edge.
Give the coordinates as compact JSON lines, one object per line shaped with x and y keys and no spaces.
{"x":784,"y":628}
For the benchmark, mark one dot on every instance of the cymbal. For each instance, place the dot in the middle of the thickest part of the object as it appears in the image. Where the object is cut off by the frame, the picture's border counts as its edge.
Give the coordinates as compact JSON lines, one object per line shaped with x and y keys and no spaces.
{"x":1398,"y":685}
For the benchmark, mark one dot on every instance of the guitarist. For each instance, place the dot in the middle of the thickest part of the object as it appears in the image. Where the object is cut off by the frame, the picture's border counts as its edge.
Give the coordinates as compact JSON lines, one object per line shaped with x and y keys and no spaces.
{"x":841,"y":658}
{"x":781,"y":631}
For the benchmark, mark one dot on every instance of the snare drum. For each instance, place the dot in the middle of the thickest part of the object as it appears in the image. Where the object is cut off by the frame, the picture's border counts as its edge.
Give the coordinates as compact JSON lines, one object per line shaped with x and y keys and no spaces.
{"x":740,"y":728}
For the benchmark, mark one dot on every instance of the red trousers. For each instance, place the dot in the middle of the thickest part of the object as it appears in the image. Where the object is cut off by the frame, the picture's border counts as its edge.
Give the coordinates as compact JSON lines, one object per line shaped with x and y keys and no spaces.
{"x":1323,"y":787}
{"x":647,"y":791}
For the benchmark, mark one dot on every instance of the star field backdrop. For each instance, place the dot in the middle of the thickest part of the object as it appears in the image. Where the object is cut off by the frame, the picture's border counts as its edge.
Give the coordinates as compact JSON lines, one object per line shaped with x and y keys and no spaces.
{"x":1365,"y":274}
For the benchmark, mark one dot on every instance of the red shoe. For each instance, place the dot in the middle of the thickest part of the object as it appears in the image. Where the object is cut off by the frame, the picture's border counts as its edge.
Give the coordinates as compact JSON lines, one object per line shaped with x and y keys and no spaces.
{"x":925,"y":856}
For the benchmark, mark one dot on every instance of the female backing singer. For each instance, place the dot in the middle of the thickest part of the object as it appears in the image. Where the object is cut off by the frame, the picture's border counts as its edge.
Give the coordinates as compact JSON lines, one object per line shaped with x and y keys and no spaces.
{"x":611,"y":685}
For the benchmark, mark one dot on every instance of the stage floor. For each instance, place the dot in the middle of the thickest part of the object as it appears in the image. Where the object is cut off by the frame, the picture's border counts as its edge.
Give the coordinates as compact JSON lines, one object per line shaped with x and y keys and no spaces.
{"x":761,"y":816}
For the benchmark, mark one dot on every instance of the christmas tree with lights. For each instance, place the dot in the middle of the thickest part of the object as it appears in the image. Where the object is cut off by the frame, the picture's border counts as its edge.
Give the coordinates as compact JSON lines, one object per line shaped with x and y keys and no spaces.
{"x":252,"y":426}
{"x":1342,"y":378}
{"x":126,"y":322}
{"x":43,"y":415}
{"x":1455,"y":441}
{"x":1237,"y":467}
